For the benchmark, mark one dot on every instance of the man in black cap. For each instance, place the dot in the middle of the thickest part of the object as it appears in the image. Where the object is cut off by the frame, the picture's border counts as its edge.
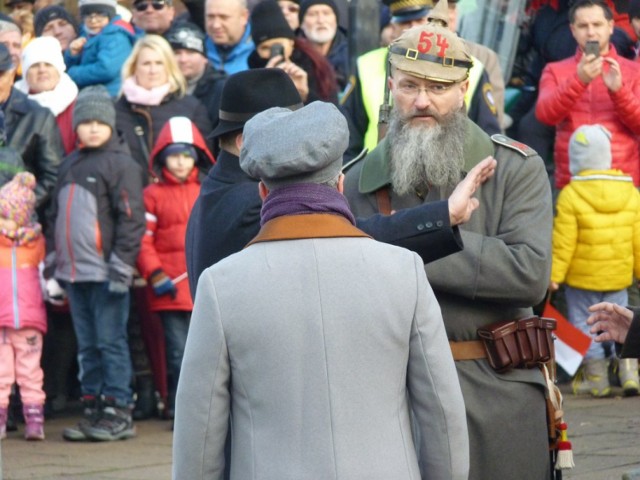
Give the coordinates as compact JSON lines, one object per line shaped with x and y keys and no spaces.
{"x":203,"y":81}
{"x":55,"y":21}
{"x":31,"y":129}
{"x":226,"y":215}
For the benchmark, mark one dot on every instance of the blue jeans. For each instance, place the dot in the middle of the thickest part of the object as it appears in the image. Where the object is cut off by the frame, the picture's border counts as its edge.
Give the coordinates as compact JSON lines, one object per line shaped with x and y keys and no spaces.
{"x":578,"y":303}
{"x":176,"y":327}
{"x":100,"y":321}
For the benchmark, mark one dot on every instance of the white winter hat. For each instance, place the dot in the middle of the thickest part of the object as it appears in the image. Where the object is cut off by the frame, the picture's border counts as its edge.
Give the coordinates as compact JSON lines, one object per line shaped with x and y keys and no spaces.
{"x":45,"y":50}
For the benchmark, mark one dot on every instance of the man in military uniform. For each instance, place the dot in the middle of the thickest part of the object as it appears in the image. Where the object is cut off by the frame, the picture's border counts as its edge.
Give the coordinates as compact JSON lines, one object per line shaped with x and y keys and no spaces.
{"x":504,"y":267}
{"x":361,"y":103}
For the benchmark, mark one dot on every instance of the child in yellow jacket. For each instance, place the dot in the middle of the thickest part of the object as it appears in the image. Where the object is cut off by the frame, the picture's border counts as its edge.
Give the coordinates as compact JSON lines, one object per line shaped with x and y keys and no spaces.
{"x":596,"y":245}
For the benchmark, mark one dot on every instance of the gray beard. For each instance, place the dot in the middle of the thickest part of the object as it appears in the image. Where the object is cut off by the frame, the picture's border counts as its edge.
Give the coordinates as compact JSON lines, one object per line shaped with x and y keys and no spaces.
{"x":425,"y":156}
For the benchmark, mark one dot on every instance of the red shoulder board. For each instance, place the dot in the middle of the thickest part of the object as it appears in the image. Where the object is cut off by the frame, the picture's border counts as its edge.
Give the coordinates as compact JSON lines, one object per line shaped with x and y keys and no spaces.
{"x":519,"y":147}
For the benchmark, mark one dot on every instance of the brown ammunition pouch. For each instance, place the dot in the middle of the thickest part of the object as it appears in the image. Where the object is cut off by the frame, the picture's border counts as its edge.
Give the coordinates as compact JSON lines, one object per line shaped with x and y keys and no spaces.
{"x":523,"y":343}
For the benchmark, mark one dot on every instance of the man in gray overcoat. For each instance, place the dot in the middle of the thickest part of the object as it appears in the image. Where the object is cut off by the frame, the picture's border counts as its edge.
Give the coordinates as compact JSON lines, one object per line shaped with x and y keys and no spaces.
{"x":504,"y":267}
{"x":324,"y":347}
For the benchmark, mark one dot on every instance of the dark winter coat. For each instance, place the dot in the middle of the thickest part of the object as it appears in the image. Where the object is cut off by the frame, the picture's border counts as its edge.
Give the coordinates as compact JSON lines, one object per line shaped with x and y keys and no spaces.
{"x":226,"y":217}
{"x":96,"y":217}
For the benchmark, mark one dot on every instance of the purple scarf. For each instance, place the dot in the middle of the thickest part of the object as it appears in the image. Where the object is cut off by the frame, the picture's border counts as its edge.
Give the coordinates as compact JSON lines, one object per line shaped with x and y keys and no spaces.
{"x":304,"y":198}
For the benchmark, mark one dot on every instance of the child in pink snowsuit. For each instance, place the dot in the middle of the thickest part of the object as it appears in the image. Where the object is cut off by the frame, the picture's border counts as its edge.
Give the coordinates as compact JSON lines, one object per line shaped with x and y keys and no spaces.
{"x":23,"y":318}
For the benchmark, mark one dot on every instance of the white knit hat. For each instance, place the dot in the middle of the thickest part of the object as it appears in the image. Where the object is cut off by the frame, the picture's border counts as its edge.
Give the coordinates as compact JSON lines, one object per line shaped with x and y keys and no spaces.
{"x":45,"y":50}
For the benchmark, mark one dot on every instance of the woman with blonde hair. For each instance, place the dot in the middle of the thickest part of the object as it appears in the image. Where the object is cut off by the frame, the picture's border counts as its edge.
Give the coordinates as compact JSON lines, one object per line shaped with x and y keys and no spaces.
{"x":153,"y":91}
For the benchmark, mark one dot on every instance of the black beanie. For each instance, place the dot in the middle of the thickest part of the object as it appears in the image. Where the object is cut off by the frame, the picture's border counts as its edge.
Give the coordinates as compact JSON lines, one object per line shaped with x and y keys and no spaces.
{"x":267,"y":22}
{"x":52,"y":12}
{"x":306,"y":4}
{"x":634,"y":9}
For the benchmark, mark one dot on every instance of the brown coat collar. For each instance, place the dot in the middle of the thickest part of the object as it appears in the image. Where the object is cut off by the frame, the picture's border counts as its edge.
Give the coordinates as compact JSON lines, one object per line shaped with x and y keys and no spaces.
{"x":317,"y":225}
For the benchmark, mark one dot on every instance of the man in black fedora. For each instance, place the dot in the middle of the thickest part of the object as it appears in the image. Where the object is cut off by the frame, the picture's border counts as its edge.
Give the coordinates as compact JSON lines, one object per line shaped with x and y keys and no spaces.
{"x":226,"y":215}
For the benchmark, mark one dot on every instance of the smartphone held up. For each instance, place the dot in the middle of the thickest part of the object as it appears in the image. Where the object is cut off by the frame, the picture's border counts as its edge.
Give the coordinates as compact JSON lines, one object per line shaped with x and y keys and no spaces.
{"x":592,"y":47}
{"x":277,"y":50}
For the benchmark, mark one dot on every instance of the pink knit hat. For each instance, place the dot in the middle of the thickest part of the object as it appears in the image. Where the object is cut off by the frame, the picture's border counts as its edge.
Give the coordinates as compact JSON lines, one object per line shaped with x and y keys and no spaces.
{"x":18,"y":199}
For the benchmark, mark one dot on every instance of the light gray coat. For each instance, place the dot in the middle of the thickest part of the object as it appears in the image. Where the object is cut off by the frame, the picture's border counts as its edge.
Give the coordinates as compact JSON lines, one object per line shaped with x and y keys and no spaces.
{"x":315,"y":348}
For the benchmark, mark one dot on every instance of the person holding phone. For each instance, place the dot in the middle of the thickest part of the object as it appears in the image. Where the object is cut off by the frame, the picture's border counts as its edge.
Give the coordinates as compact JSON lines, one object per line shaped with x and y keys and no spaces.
{"x":277,"y":46}
{"x":597,"y":85}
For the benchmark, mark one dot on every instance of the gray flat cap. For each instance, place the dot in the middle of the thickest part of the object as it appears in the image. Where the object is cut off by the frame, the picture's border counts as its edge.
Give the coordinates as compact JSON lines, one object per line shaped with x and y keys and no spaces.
{"x":281,"y":147}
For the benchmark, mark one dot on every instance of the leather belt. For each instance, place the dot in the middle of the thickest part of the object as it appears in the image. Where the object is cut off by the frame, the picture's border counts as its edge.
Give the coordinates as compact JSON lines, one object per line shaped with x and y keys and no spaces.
{"x":471,"y":350}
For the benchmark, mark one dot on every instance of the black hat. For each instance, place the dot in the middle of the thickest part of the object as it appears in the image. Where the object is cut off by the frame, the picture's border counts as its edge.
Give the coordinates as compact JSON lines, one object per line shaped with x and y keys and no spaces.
{"x":407,"y":10}
{"x":5,"y":59}
{"x":52,"y":12}
{"x":634,"y":9}
{"x":186,"y":35}
{"x":267,"y":22}
{"x":306,"y":4}
{"x":247,"y":93}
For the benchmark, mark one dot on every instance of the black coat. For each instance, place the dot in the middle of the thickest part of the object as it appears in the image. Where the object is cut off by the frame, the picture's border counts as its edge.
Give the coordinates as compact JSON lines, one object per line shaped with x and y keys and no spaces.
{"x":141,"y":125}
{"x":209,"y":90}
{"x":226,"y":217}
{"x":32,"y":130}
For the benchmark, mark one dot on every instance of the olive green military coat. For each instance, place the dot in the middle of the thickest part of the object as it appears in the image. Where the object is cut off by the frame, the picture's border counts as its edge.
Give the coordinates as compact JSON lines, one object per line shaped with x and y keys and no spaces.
{"x":501,"y":273}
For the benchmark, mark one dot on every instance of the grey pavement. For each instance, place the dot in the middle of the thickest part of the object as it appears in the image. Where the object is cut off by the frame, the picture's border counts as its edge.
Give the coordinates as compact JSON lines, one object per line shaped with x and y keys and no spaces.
{"x":605,"y":434}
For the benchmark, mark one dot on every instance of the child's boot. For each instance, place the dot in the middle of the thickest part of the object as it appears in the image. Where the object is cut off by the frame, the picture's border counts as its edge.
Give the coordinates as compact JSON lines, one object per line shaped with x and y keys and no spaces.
{"x":596,"y":371}
{"x":116,"y":423}
{"x":4,"y":415}
{"x":91,"y":415}
{"x":628,"y":375}
{"x":34,"y":422}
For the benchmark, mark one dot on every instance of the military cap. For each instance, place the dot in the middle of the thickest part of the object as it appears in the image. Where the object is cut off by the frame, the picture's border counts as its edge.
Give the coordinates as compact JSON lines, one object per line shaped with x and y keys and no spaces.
{"x":283,"y":147}
{"x":407,"y":10}
{"x":431,"y":50}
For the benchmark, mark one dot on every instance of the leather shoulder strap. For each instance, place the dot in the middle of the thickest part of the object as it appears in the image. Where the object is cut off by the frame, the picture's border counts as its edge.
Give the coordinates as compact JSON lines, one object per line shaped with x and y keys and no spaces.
{"x":383,"y":200}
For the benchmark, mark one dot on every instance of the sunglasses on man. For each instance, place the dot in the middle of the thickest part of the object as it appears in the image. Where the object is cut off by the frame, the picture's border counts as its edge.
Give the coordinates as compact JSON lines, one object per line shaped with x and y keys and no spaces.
{"x":155,"y":4}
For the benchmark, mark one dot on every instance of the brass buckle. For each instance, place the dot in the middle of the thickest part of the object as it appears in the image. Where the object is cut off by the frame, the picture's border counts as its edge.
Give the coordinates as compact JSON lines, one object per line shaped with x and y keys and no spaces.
{"x":411,"y":54}
{"x":450,"y":63}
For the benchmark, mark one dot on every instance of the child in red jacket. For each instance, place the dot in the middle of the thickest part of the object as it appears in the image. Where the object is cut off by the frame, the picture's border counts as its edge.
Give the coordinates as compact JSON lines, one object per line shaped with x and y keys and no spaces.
{"x":177,"y":161}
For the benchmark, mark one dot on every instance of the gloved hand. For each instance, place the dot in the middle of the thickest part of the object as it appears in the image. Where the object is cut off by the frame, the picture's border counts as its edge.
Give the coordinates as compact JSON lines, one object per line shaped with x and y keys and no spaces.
{"x":54,"y":293}
{"x":162,"y":284}
{"x":118,"y":287}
